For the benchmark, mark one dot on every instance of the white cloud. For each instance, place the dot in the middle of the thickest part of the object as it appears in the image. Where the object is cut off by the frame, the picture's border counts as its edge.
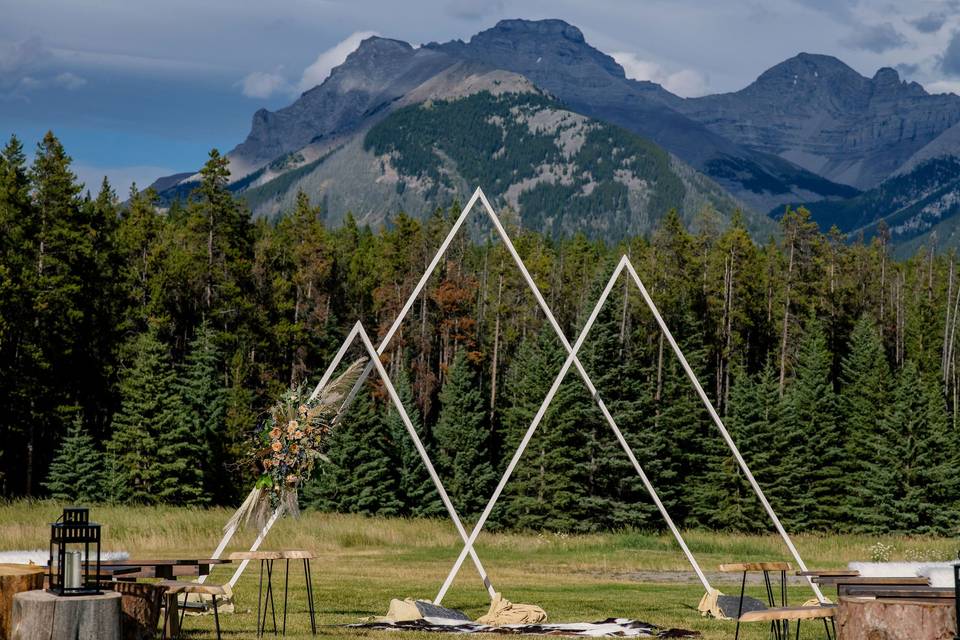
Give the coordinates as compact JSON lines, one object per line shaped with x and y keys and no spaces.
{"x":69,"y":81}
{"x":943,"y":86}
{"x":317,"y":72}
{"x":686,"y":83}
{"x":263,"y":84}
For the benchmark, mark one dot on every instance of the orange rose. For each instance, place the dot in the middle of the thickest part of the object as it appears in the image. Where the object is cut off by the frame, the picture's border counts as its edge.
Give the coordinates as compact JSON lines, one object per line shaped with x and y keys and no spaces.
{"x":277,"y":446}
{"x":275,"y":433}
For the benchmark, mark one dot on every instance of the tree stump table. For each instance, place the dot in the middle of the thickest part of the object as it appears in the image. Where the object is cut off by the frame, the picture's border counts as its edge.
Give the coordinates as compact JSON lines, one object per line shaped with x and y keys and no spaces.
{"x":893,"y":618}
{"x":40,"y":615}
{"x":14,"y":579}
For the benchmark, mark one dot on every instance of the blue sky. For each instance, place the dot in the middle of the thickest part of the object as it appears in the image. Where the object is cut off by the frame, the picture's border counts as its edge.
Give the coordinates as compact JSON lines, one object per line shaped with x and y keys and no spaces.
{"x":137,"y":90}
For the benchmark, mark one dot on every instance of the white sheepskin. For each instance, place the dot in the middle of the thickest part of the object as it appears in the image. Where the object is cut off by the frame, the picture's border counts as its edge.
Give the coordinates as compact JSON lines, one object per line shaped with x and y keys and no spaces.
{"x":939,"y":573}
{"x":40,"y":556}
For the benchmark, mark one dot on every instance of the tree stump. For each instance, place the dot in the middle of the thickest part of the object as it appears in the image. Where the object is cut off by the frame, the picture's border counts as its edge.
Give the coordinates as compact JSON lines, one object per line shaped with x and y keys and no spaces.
{"x":40,"y":615}
{"x":141,"y":608}
{"x":14,"y":579}
{"x":890,"y":619}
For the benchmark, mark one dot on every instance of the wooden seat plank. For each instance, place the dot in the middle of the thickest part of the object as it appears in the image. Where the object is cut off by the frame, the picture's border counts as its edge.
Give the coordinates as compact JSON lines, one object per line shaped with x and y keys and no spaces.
{"x":256,"y":555}
{"x":789,"y":613}
{"x":740,"y":567}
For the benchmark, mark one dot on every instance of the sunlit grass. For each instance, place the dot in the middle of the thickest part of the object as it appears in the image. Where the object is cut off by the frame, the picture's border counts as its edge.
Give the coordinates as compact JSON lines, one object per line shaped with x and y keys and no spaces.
{"x":363,"y":562}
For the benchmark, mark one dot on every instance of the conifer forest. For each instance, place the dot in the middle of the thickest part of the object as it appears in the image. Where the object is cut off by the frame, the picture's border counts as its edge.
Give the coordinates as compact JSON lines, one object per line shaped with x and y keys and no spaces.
{"x":140,"y":346}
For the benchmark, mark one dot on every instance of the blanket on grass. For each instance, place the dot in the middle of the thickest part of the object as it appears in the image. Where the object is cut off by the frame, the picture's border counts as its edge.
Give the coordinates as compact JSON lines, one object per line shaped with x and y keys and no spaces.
{"x":611,"y":627}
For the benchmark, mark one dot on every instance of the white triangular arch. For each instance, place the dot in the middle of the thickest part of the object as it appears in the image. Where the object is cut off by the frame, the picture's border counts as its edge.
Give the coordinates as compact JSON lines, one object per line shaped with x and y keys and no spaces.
{"x":626,"y":265}
{"x":572,"y":360}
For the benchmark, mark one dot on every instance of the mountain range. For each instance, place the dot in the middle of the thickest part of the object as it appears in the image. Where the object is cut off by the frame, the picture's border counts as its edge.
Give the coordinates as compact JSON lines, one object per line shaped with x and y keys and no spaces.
{"x":554,"y":129}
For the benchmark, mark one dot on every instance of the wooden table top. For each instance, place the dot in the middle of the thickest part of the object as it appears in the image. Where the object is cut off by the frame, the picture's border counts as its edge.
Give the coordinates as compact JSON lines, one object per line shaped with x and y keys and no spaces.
{"x":869,"y":580}
{"x":827,"y":573}
{"x":164,"y":563}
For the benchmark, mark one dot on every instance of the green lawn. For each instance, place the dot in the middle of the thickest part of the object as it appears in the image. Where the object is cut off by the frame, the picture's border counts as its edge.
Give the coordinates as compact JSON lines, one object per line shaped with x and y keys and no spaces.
{"x":363,"y":562}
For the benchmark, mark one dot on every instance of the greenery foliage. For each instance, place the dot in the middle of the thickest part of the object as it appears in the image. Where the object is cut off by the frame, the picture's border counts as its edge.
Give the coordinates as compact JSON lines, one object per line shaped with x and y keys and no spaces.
{"x":167,"y":332}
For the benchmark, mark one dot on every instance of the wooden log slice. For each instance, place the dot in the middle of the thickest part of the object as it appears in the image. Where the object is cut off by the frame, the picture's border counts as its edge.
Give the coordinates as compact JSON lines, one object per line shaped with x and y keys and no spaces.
{"x":40,"y":615}
{"x":881,"y":619}
{"x":14,"y":579}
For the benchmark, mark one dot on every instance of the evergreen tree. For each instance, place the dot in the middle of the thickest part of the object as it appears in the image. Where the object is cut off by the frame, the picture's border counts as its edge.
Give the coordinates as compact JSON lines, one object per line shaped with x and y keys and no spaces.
{"x":462,"y":439}
{"x":916,"y":469}
{"x":864,"y":397}
{"x":538,"y":490}
{"x":76,"y":474}
{"x":360,"y":476}
{"x":809,"y":440}
{"x":725,"y":499}
{"x":202,"y":412}
{"x":415,"y":488}
{"x":150,"y":450}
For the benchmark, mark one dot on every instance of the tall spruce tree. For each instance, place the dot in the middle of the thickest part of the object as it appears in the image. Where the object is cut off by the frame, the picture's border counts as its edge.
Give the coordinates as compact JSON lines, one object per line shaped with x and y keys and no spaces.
{"x":151,"y":452}
{"x":462,"y":439}
{"x":725,"y":499}
{"x":202,"y":412}
{"x":360,"y":476}
{"x":864,"y":398}
{"x":915,"y":470}
{"x":540,"y":489}
{"x":415,"y":489}
{"x":810,"y":443}
{"x":76,"y":474}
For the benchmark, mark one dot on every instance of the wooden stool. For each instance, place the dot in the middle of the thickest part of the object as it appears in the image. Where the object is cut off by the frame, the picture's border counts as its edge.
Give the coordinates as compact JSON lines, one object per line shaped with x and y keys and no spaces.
{"x":306,"y":556}
{"x":266,"y":559}
{"x":175,"y":588}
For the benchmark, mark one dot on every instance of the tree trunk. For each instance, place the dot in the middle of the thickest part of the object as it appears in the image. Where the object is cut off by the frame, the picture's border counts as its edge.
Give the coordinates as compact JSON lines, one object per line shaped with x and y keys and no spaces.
{"x":496,"y":351}
{"x":39,"y":615}
{"x":786,"y":325}
{"x":14,"y":579}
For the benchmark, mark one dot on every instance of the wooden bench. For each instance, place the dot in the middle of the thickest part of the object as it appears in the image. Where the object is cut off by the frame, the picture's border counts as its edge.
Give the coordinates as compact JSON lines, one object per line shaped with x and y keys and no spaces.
{"x":175,"y":588}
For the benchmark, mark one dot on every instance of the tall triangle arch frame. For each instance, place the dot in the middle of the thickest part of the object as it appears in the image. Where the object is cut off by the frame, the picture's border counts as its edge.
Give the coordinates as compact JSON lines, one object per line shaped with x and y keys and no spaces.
{"x":572,"y":360}
{"x":625,"y":265}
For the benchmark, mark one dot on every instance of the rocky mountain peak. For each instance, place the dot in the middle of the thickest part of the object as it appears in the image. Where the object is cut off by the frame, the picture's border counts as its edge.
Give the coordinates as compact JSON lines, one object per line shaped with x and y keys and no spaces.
{"x":536,"y":48}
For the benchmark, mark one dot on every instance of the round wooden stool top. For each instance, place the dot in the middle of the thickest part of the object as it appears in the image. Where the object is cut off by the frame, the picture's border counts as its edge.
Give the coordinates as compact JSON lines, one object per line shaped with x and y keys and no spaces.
{"x":297,"y":554}
{"x":256,"y":555}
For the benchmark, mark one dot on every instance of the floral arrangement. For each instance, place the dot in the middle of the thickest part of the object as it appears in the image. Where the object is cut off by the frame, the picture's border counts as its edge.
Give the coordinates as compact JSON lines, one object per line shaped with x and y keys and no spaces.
{"x":290,"y":441}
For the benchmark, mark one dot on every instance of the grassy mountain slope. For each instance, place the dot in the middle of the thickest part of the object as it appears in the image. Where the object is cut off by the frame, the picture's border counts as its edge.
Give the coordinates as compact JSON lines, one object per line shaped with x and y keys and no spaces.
{"x":561,"y":171}
{"x":911,"y":205}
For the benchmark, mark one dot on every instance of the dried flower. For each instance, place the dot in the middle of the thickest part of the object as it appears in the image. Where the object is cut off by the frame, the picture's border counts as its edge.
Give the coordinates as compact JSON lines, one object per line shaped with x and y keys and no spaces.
{"x":297,"y":435}
{"x":275,"y":433}
{"x":276,"y":445}
{"x":291,"y":479}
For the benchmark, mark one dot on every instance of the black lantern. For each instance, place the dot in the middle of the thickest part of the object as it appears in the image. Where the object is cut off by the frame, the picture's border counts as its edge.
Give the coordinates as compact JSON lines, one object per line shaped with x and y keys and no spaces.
{"x":73,"y":574}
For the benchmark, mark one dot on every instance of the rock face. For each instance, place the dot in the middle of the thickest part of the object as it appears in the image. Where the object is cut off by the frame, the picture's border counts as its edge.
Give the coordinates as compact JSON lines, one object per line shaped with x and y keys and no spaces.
{"x":375,"y":75}
{"x":561,"y":171}
{"x":555,"y":57}
{"x":819,"y":113}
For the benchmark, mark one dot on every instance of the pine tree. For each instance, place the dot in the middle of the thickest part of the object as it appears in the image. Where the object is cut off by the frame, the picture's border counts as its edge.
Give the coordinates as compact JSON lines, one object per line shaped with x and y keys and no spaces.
{"x":917,"y":465}
{"x":149,"y":449}
{"x":864,"y":396}
{"x":76,"y":474}
{"x":415,"y":488}
{"x":202,"y":411}
{"x":462,"y":439}
{"x":544,"y":491}
{"x":360,"y":476}
{"x":725,"y":499}
{"x":810,"y":443}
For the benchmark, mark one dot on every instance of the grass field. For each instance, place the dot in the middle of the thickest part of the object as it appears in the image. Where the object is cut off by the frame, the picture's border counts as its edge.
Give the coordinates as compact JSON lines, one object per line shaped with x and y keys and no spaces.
{"x":363,"y":562}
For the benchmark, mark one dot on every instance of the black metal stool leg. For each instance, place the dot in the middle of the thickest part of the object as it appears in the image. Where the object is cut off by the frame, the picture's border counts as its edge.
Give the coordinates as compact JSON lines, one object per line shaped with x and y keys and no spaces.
{"x":273,"y":610}
{"x":286,"y":583}
{"x":309,"y":581}
{"x":216,"y":616}
{"x":826,"y":628}
{"x":259,"y":598}
{"x":798,"y":629}
{"x":743,"y":585}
